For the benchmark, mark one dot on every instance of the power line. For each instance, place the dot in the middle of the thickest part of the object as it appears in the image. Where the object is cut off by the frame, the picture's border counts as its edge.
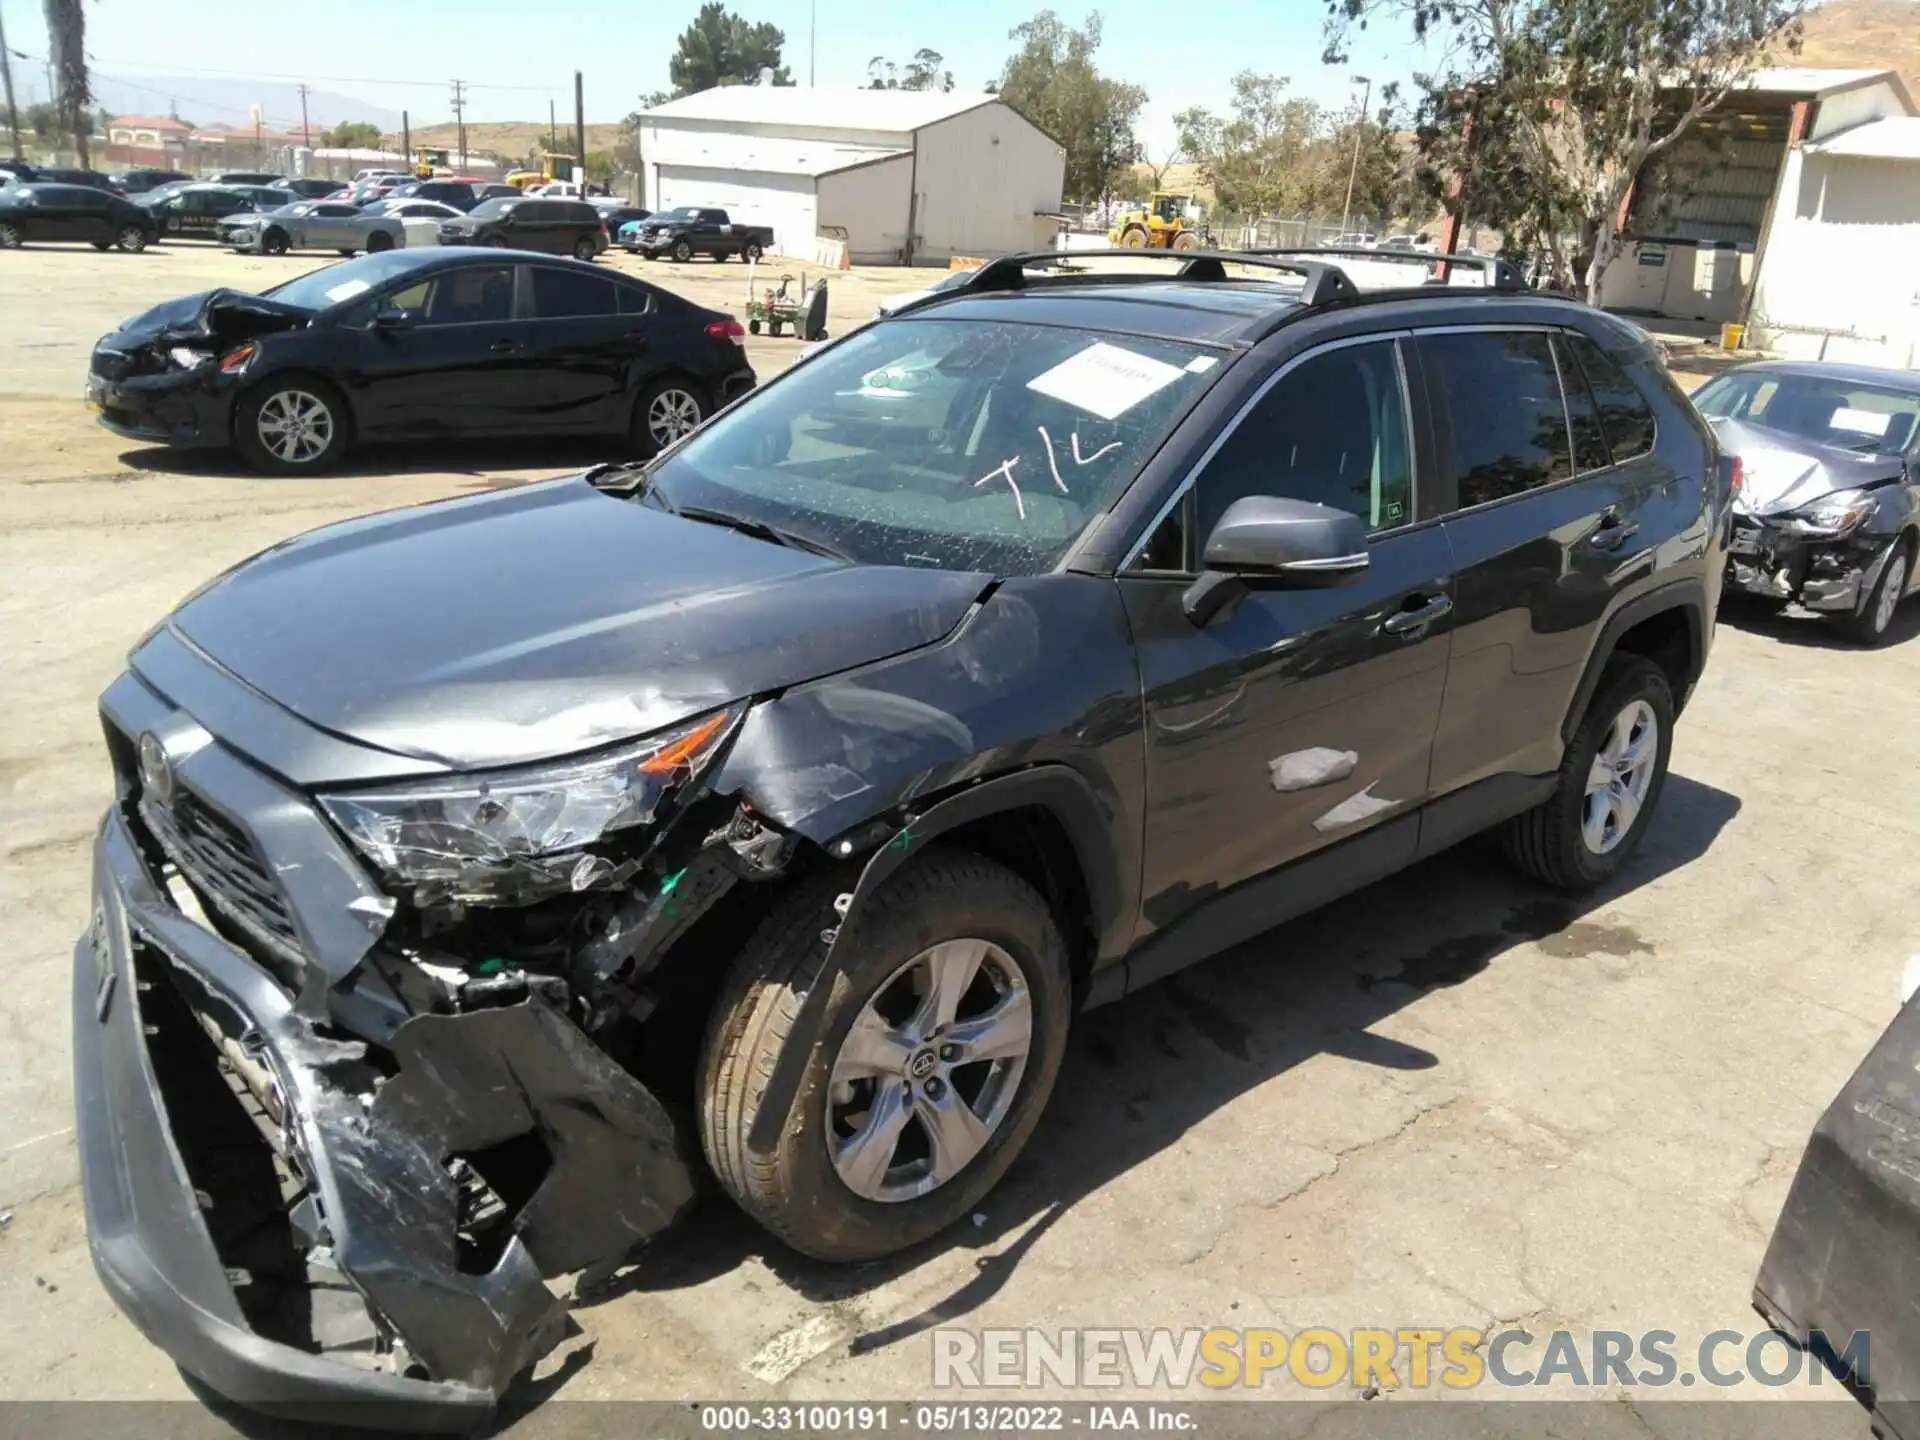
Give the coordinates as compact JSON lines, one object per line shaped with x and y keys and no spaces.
{"x":350,"y":79}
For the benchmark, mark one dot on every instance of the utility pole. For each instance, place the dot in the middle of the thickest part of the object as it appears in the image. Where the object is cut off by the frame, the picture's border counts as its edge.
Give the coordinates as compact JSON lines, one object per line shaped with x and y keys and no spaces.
{"x":1353,"y":170}
{"x":306,"y":130}
{"x":813,"y":17}
{"x":460,"y":118}
{"x":6,"y":69}
{"x":553,"y":144}
{"x":580,"y":132}
{"x":406,"y":141}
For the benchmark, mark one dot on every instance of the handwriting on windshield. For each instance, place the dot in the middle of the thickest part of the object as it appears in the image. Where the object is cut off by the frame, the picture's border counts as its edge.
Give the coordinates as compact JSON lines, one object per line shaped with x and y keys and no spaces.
{"x":1004,"y":471}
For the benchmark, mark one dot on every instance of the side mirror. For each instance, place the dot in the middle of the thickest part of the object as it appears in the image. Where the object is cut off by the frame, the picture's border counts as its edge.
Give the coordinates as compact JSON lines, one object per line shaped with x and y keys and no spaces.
{"x":392,"y":320}
{"x":1270,"y":541}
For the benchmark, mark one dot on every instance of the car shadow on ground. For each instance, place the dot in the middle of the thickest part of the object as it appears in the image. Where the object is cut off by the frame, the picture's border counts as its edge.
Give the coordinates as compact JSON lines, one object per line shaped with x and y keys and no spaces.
{"x":1141,"y":1073}
{"x":1791,"y":625}
{"x":481,"y":459}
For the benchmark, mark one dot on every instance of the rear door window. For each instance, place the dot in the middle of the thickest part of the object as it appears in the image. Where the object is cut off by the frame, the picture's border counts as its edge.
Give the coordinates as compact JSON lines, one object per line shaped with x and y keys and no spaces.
{"x":561,"y":294}
{"x":1589,"y":439}
{"x":1624,"y":413}
{"x":634,"y":302}
{"x":1509,"y":419}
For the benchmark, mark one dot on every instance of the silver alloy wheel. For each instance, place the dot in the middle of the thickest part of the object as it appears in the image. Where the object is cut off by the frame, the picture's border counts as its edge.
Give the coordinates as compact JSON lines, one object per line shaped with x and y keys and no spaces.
{"x":1892,"y":583}
{"x":1621,"y":775}
{"x":672,"y":414}
{"x":132,"y":239}
{"x":295,"y":427}
{"x":9,"y":236}
{"x":929,"y":1070}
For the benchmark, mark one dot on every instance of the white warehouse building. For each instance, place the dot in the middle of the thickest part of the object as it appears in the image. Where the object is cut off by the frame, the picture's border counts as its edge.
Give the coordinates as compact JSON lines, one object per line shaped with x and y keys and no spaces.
{"x":898,"y":176}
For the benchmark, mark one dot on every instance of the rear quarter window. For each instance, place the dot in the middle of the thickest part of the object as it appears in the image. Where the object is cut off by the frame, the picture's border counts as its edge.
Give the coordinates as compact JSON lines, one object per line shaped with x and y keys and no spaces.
{"x":1625,"y":417}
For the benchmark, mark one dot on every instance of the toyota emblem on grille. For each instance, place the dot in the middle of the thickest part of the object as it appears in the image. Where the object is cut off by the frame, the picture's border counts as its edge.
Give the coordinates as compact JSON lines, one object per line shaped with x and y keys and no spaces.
{"x":156,"y":771}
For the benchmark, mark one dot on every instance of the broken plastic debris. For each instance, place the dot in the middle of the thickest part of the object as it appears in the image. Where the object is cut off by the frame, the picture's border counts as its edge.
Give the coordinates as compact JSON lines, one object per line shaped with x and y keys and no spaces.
{"x":1303,"y":769}
{"x":1353,"y":809}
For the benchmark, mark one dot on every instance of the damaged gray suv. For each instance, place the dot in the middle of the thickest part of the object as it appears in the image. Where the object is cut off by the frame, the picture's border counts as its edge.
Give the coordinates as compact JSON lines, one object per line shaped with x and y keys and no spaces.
{"x":486,"y":878}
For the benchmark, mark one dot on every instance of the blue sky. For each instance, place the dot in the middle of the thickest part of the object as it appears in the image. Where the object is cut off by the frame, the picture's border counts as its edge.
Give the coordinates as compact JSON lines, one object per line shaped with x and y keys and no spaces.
{"x":517,"y":55}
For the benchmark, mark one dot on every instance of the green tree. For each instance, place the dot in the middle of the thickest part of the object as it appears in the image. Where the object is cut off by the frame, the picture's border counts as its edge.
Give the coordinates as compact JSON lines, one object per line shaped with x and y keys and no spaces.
{"x":1052,"y":80}
{"x":352,"y":135}
{"x":1257,"y":158}
{"x":925,"y":71}
{"x":67,"y":39}
{"x":721,"y":48}
{"x":1571,"y":99}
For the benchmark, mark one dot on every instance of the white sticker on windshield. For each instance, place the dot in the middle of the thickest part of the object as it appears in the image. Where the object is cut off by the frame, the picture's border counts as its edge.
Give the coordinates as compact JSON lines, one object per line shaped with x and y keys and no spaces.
{"x":347,"y":289}
{"x":1105,"y":380}
{"x":1200,"y":364}
{"x":1860,"y":422}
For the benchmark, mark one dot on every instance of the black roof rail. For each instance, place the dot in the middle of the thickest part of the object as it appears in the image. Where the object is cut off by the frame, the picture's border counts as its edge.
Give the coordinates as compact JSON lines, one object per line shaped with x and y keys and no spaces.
{"x":1500,"y":273}
{"x":1319,"y":282}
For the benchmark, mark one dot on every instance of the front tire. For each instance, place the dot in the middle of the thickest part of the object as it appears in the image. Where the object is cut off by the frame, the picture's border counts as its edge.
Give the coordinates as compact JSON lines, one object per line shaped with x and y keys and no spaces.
{"x":1608,"y":786}
{"x":378,"y":241}
{"x":274,"y":242}
{"x":682,"y":251}
{"x":132,"y":239}
{"x":1868,"y":625}
{"x":941,"y":1042}
{"x":295,"y":425}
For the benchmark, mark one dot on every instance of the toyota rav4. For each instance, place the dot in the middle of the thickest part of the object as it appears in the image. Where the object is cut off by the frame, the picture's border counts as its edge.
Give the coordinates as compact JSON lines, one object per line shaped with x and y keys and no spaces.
{"x":485,"y":877}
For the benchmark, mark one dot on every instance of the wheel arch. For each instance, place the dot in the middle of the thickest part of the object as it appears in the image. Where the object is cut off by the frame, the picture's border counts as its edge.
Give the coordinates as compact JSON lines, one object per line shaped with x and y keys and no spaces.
{"x":1045,"y":822}
{"x":1667,"y":626}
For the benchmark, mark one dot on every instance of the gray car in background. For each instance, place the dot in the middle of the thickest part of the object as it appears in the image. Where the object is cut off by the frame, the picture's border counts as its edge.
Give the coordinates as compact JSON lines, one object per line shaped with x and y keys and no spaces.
{"x":313,"y":225}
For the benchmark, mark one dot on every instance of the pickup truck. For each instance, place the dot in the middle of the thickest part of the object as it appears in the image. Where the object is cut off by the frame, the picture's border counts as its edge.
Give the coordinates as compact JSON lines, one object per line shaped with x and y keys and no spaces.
{"x":696,"y":230}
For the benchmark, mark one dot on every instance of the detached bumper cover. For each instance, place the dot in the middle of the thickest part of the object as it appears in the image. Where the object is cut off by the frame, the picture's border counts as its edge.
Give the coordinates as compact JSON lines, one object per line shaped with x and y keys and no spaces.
{"x":373,"y":1295}
{"x":1849,"y":1235}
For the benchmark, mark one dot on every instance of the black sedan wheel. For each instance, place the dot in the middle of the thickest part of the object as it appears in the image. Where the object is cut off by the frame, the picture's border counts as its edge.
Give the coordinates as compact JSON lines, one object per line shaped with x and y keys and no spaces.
{"x":10,"y":236}
{"x":666,"y":411}
{"x":131,"y":239}
{"x":682,"y":251}
{"x":584,"y":248}
{"x":274,"y":242}
{"x":291,"y":426}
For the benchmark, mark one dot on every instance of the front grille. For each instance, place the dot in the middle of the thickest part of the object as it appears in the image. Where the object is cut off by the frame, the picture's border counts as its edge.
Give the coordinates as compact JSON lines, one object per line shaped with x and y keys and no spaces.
{"x":119,"y":364}
{"x":219,"y":861}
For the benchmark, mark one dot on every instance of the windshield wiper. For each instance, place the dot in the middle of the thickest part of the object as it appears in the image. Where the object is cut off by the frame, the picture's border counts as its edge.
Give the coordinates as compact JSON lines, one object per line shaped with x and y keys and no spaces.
{"x":760,"y":530}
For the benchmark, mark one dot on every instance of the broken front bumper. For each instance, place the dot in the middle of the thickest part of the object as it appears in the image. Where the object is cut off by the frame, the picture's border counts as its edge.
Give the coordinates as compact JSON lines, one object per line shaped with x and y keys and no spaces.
{"x":286,"y":1212}
{"x":1764,"y":558}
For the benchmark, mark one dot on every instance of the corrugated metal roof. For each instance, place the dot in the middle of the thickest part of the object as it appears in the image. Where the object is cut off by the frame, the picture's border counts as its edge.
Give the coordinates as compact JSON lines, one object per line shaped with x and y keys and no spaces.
{"x":901,"y":110}
{"x":1895,"y":138}
{"x":772,"y":154}
{"x":1811,"y":80}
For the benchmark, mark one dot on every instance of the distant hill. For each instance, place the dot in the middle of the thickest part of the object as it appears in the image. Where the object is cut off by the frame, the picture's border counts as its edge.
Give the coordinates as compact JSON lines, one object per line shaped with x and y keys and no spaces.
{"x":1864,"y":34}
{"x":211,"y":100}
{"x":513,"y":140}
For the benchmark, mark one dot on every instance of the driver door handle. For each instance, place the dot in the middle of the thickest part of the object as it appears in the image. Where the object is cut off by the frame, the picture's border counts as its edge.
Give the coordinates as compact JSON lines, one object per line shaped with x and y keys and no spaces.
{"x":1418,"y":612}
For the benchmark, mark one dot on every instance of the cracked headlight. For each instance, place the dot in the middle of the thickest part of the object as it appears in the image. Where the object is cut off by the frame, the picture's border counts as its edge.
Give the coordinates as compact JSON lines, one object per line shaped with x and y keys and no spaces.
{"x":187,"y":358}
{"x":1834,"y":515}
{"x":515,"y":835}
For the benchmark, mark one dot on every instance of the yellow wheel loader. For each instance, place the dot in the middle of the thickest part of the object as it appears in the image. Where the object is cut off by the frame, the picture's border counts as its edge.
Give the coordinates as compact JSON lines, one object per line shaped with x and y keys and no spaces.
{"x":1164,"y":225}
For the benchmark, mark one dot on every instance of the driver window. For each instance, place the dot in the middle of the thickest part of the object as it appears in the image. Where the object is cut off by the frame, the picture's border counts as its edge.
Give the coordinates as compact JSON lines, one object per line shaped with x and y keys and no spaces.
{"x":476,"y":296}
{"x":1333,"y":430}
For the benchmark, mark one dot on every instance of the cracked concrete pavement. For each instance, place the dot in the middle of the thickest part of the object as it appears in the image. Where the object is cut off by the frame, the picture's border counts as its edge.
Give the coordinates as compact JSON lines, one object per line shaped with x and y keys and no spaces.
{"x":1450,"y":1100}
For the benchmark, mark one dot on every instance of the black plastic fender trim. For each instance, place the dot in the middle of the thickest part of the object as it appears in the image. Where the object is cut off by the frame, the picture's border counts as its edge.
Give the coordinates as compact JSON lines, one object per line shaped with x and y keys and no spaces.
{"x":1056,"y":788}
{"x":1689,"y":595}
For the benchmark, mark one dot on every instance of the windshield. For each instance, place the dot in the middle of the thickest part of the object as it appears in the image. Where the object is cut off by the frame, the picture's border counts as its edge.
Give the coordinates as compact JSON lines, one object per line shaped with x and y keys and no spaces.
{"x":685,"y":212}
{"x":336,"y":284}
{"x":962,"y":445}
{"x":492,"y":209}
{"x":1828,"y":410}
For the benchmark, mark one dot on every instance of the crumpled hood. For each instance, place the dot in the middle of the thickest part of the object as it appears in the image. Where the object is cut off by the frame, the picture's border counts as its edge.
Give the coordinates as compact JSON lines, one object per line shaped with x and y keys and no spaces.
{"x":1784,"y":472}
{"x":529,"y":623}
{"x":210,"y":315}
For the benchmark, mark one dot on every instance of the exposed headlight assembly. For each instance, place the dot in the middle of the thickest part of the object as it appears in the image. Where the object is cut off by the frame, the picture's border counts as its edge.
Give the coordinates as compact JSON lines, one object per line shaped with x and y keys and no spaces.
{"x":1834,"y":515}
{"x":515,"y":836}
{"x":188,"y":358}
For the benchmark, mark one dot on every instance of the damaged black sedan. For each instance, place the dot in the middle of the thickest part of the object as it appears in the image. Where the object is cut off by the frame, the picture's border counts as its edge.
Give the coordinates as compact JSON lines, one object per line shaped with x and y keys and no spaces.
{"x":485,"y":877}
{"x":1828,"y":513}
{"x":408,"y":345}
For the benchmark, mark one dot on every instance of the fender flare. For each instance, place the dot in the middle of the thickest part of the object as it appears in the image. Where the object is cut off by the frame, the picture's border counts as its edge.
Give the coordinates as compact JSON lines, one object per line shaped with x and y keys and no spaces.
{"x":1059,"y":789}
{"x":1688,"y":595}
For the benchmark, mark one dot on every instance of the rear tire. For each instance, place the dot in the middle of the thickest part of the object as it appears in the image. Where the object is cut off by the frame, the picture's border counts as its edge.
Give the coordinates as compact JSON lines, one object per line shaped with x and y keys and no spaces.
{"x":584,"y":249}
{"x":1580,"y":836}
{"x":666,"y":410}
{"x":11,"y":237}
{"x":924,"y":924}
{"x":752,"y":252}
{"x":279,"y":430}
{"x":1868,"y":625}
{"x":349,"y":253}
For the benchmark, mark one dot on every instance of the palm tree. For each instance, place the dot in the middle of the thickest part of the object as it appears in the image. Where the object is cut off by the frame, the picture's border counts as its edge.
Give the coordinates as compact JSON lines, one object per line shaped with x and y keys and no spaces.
{"x":67,"y":36}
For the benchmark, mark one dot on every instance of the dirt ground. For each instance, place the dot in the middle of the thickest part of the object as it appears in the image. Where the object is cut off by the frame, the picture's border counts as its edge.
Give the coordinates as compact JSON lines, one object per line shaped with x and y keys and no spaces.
{"x":1449,"y":1100}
